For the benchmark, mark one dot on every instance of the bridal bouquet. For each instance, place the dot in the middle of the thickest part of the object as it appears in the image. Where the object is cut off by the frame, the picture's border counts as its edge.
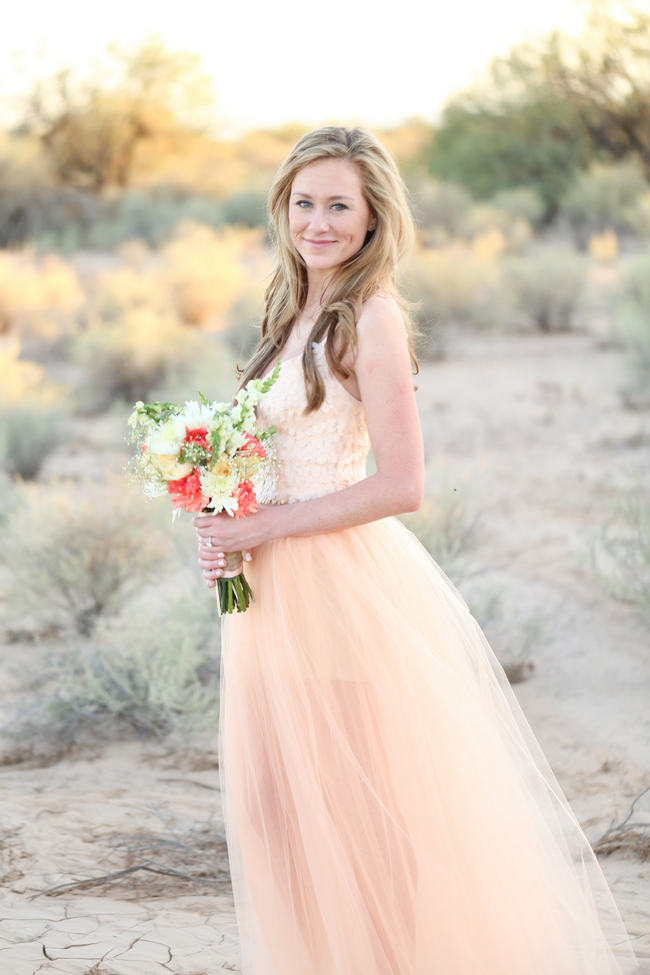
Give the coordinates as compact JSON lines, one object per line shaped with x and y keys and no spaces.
{"x":206,"y":457}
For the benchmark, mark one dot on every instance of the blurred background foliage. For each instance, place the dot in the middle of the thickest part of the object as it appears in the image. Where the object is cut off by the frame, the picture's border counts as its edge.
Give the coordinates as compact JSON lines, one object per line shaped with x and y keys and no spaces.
{"x":134,"y":255}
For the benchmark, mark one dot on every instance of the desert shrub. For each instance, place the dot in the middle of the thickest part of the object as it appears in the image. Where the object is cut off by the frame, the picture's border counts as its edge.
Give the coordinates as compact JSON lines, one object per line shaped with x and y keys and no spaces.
{"x":75,"y":551}
{"x":134,"y":284}
{"x":29,"y":432}
{"x":32,"y":413}
{"x":619,"y":550}
{"x":9,"y":493}
{"x":603,"y":247}
{"x":440,"y":210}
{"x":520,"y":203}
{"x":455,"y":285}
{"x":640,"y":217}
{"x":154,"y":670}
{"x":485,"y":221}
{"x":632,"y":324}
{"x":546,"y":284}
{"x":19,"y":378}
{"x":210,"y":370}
{"x":57,"y":217}
{"x":605,"y":197}
{"x":127,"y":359}
{"x":205,"y":271}
{"x":152,"y":217}
{"x":246,"y":208}
{"x":72,"y":220}
{"x":443,"y":524}
{"x":39,"y":296}
{"x":244,"y":319}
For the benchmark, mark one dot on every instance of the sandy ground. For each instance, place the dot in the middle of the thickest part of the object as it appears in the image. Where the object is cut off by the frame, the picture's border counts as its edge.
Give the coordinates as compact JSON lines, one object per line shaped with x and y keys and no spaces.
{"x":532,"y":430}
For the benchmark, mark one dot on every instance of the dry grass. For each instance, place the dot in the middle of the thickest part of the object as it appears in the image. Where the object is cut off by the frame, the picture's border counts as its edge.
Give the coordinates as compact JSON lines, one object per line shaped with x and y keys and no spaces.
{"x":166,"y":863}
{"x":618,"y":551}
{"x":629,"y":836}
{"x":75,"y":551}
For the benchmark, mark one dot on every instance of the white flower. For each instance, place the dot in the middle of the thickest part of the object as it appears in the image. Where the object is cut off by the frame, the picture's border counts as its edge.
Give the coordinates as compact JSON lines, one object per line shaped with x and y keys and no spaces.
{"x":196,"y":414}
{"x":167,"y":438}
{"x":219,"y":488}
{"x":234,"y":441}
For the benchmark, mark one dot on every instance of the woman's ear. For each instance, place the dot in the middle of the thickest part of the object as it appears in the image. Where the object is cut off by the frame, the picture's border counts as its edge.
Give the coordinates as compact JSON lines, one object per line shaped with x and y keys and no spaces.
{"x":372,"y":223}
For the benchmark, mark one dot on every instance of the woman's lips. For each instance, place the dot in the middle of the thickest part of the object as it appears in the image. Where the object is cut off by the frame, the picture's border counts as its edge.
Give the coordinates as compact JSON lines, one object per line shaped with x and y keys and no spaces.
{"x":319,"y":243}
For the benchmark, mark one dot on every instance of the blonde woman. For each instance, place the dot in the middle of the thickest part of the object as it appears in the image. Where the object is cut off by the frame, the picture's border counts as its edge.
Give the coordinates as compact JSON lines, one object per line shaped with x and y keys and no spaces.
{"x":388,"y":809}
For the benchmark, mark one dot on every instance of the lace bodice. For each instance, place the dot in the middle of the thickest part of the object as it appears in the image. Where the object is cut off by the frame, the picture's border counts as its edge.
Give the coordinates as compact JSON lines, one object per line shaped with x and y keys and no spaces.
{"x":314,"y":453}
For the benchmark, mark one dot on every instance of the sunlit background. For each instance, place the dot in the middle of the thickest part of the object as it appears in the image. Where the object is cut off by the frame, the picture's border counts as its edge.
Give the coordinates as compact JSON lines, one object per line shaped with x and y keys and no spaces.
{"x":277,"y":62}
{"x":137,"y":146}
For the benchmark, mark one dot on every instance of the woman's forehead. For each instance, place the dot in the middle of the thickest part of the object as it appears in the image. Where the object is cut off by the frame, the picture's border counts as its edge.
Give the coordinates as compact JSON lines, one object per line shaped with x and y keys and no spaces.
{"x":322,"y":174}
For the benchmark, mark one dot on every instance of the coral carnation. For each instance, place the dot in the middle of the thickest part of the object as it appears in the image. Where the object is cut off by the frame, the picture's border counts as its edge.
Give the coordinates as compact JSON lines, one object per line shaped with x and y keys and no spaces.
{"x":198,"y":435}
{"x":253,"y":447}
{"x":186,"y":492}
{"x":246,"y":500}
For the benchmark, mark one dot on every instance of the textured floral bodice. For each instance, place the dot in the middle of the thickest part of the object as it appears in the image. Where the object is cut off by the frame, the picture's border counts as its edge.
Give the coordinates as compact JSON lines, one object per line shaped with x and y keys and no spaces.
{"x":315,"y":453}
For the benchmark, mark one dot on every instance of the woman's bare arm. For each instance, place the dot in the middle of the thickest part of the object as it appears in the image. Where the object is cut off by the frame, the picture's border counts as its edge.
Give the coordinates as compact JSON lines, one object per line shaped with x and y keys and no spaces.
{"x":383,"y":371}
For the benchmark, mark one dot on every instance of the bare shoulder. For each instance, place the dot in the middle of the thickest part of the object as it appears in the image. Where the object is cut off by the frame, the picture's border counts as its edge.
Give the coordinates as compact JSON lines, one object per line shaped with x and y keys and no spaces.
{"x":381,"y":320}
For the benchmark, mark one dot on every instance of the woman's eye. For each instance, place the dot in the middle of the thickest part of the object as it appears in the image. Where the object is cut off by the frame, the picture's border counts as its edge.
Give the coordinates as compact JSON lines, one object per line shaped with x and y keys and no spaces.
{"x":342,"y":205}
{"x":300,"y":202}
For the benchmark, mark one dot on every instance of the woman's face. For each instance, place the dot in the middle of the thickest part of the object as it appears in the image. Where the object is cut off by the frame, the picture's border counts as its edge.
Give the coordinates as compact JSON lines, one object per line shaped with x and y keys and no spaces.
{"x":329,"y":216}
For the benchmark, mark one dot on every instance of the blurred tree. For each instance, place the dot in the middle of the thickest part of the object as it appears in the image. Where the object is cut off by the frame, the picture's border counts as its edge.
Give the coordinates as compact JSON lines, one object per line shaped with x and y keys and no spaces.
{"x":91,"y":130}
{"x":552,"y":105}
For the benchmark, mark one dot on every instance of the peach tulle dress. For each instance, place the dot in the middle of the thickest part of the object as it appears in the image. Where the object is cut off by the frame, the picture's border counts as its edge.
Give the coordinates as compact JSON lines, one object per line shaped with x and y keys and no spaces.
{"x":388,"y":810}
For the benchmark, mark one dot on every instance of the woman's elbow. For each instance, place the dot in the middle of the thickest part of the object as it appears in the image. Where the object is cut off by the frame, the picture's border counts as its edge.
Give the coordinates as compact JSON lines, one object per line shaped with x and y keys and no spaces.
{"x":408,"y":495}
{"x":413,"y":498}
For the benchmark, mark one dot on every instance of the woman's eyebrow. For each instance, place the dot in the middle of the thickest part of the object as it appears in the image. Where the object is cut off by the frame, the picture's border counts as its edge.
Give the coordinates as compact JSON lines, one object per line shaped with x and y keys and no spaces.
{"x":337,"y":196}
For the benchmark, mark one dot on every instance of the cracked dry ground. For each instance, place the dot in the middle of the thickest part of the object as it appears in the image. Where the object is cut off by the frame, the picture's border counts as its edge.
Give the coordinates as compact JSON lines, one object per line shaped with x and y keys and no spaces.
{"x":109,"y":813}
{"x":128,"y":805}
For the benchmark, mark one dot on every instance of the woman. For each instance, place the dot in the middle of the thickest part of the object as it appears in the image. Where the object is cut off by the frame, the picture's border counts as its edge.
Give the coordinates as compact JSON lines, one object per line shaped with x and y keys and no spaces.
{"x":388,"y":809}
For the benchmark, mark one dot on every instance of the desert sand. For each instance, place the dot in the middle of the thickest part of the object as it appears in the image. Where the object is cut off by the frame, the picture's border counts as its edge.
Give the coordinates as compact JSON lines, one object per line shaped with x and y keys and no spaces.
{"x":532,"y":429}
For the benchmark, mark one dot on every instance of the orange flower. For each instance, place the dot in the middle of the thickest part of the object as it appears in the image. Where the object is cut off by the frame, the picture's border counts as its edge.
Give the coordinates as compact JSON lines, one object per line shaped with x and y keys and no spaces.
{"x":253,"y":447}
{"x":197,"y":435}
{"x":186,"y":492}
{"x":246,"y":500}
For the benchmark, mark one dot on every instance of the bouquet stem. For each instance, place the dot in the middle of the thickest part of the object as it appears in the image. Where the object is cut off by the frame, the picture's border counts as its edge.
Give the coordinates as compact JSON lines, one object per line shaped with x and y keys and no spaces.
{"x":233,"y":591}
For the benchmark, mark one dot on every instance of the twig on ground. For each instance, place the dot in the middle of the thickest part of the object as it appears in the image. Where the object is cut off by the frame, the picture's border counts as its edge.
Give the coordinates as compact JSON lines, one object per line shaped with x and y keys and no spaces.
{"x":621,"y":835}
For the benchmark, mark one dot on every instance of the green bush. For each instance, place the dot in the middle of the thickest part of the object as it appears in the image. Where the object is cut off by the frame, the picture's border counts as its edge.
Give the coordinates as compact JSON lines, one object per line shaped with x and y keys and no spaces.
{"x":632,"y":324}
{"x":444,"y":525}
{"x":155,"y":670}
{"x":605,"y":197}
{"x":150,"y":216}
{"x":127,"y":359}
{"x":245,"y":207}
{"x":454,"y":286}
{"x":29,"y":432}
{"x":520,"y":203}
{"x":619,"y":551}
{"x":210,"y":370}
{"x":440,"y":210}
{"x":76,"y":551}
{"x":60,"y":216}
{"x":546,"y":285}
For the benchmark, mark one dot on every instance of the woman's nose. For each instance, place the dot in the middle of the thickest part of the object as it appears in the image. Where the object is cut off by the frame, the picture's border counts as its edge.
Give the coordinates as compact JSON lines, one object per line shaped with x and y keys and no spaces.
{"x":318,"y":219}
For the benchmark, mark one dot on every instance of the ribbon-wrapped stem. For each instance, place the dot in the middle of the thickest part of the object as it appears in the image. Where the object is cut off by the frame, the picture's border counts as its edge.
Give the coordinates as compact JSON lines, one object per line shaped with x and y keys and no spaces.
{"x":233,"y":591}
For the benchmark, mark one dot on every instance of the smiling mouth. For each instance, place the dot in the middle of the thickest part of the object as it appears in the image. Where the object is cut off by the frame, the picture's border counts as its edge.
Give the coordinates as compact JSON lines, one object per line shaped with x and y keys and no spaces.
{"x":319,"y":243}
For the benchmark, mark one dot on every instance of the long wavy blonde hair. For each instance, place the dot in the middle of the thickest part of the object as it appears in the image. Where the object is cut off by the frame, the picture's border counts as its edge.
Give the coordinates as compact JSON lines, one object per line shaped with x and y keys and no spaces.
{"x":371,"y":269}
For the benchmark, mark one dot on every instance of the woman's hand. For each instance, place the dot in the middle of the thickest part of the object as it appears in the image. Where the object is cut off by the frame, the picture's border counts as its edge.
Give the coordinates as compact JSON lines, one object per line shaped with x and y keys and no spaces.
{"x":212,"y":562}
{"x":218,"y":534}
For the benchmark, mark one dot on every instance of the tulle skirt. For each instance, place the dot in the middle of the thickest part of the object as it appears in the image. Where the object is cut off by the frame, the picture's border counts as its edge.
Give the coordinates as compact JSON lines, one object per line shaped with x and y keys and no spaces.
{"x":388,"y":810}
